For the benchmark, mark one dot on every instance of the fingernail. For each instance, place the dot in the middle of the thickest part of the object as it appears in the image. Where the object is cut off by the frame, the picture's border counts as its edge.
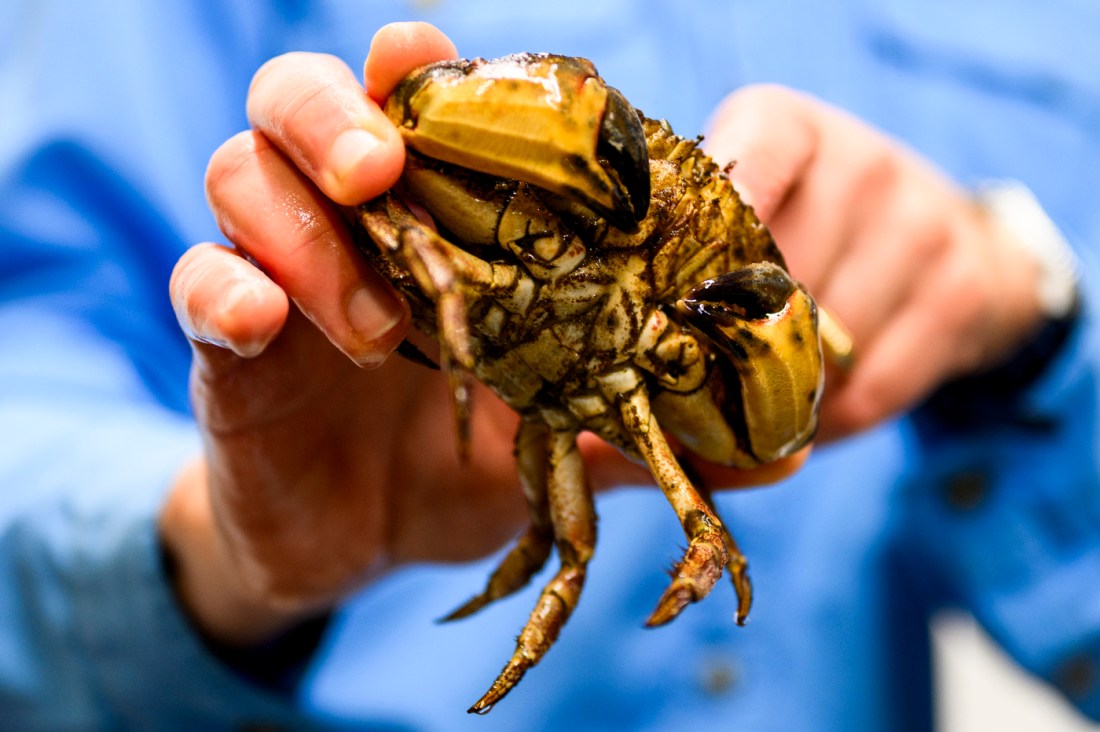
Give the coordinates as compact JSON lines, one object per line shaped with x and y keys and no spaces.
{"x":225,"y":326}
{"x":372,"y":313}
{"x":239,"y":303}
{"x":349,"y":149}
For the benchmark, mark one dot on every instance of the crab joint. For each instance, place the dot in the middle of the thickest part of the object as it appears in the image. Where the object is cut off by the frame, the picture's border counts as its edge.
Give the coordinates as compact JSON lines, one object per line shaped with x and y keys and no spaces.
{"x":550,"y":121}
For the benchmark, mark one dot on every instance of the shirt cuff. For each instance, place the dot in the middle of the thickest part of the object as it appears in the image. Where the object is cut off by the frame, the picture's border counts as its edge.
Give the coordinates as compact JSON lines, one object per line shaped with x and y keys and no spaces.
{"x":97,"y":637}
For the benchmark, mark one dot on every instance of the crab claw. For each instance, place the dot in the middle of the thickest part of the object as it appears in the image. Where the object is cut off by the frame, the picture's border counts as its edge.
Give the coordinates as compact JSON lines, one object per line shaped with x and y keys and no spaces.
{"x":763,"y":322}
{"x":547,"y":120}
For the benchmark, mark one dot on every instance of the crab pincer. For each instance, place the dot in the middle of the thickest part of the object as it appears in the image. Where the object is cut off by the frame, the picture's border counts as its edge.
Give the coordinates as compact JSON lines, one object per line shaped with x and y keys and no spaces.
{"x":540,"y":118}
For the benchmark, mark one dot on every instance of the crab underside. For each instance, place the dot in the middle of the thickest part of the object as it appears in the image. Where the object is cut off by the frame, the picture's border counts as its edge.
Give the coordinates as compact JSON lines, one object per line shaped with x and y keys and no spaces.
{"x":599,"y":273}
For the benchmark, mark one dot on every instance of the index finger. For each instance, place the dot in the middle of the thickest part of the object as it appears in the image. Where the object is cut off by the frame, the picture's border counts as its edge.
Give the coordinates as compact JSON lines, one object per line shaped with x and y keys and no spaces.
{"x":313,"y":109}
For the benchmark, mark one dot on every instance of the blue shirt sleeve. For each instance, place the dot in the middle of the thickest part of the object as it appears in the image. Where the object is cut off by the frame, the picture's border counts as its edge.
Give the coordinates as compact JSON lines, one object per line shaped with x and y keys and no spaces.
{"x":100,"y":191}
{"x":93,"y":635}
{"x":1006,"y":515}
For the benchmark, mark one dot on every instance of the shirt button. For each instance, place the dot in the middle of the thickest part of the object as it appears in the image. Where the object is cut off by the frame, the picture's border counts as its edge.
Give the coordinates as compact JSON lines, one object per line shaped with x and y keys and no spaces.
{"x":965,"y":491}
{"x":717,"y":675}
{"x":1077,"y":677}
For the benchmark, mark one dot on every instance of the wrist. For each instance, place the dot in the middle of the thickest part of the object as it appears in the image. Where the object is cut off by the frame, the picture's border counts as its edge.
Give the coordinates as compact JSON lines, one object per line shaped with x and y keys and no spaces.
{"x":1042,"y":316}
{"x":1027,"y":276}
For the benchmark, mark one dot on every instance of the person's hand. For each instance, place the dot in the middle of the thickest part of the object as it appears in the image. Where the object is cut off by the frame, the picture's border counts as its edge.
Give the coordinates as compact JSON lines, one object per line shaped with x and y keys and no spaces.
{"x":929,"y":286}
{"x":319,"y":473}
{"x":326,"y":463}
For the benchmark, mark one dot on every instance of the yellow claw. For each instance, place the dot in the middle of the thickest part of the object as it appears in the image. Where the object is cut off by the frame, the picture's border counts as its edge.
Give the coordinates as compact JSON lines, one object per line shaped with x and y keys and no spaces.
{"x":547,"y":120}
{"x":767,"y":325}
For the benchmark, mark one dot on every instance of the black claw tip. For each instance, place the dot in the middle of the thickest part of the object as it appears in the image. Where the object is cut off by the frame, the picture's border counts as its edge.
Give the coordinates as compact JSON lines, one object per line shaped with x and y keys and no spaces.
{"x":622,"y":143}
{"x":752,"y":292}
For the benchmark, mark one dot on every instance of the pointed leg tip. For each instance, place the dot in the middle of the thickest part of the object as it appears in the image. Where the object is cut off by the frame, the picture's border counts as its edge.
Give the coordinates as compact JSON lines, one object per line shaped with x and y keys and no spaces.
{"x":662,"y":617}
{"x":450,"y":617}
{"x":485,"y":704}
{"x":656,"y":622}
{"x":742,"y":586}
{"x":507,"y":681}
{"x":465,"y":610}
{"x":669,"y":607}
{"x":482,"y":707}
{"x":742,"y":615}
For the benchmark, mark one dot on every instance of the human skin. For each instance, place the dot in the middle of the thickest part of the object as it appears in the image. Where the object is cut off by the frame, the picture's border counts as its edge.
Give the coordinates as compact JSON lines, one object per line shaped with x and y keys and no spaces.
{"x":326,"y":463}
{"x":931,"y":287}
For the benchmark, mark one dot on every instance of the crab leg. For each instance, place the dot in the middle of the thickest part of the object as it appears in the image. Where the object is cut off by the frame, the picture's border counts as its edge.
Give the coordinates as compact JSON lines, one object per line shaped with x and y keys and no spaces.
{"x":737,"y":566}
{"x":530,"y":552}
{"x":574,"y":519}
{"x":439,"y":269}
{"x":706,"y":554}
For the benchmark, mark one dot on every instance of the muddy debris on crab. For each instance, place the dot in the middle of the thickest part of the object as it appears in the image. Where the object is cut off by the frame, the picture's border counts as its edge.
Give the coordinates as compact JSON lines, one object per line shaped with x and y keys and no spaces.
{"x":599,"y":273}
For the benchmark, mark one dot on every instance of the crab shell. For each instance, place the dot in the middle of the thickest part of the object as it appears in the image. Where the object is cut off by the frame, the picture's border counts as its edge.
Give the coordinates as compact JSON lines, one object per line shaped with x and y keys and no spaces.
{"x":599,"y":273}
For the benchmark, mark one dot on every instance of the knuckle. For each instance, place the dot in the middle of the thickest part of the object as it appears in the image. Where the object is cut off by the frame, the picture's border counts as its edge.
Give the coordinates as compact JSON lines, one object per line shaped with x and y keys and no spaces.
{"x":922,"y":225}
{"x":964,"y":291}
{"x":312,"y":231}
{"x":230,"y":159}
{"x":773,"y":135}
{"x":863,"y":411}
{"x":273,"y":69}
{"x":879,"y":174}
{"x":865,"y":403}
{"x":291,"y":72}
{"x":185,"y":287}
{"x":189,"y":272}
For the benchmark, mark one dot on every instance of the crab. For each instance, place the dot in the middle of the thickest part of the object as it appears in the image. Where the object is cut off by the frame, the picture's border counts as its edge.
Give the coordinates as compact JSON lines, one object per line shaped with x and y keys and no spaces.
{"x":599,"y":273}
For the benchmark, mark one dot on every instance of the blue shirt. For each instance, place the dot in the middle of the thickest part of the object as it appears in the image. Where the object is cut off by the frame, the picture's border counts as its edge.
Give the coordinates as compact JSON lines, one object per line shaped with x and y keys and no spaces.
{"x":109,"y":116}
